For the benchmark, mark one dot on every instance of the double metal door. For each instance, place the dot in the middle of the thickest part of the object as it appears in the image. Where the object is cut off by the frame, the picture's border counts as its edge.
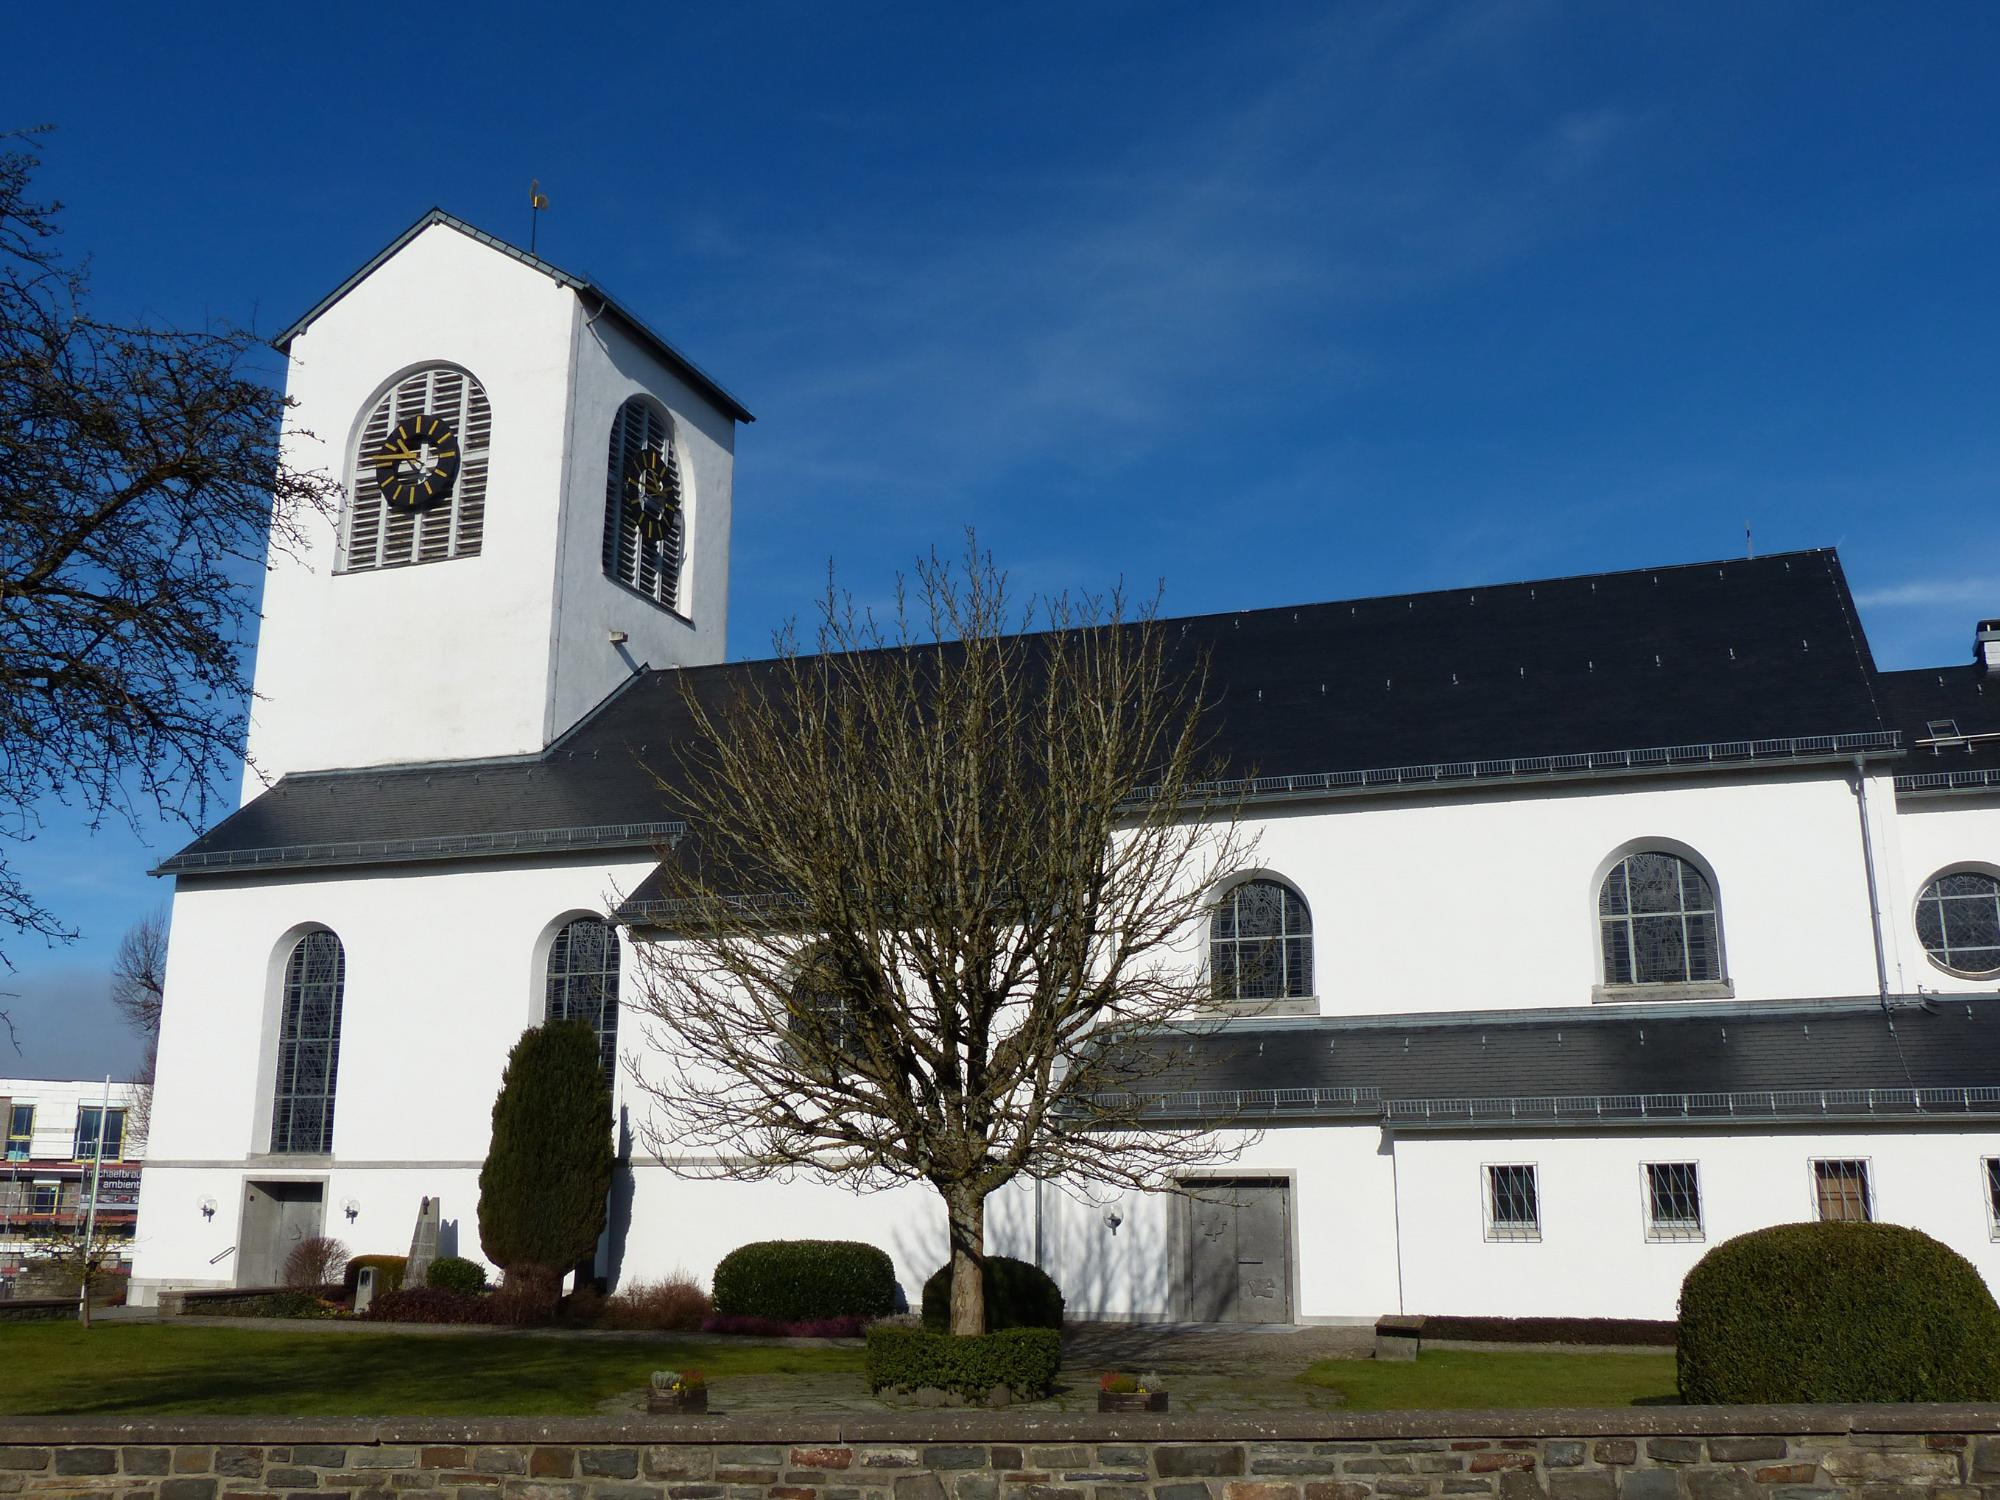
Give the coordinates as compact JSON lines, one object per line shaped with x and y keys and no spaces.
{"x":1239,"y":1252}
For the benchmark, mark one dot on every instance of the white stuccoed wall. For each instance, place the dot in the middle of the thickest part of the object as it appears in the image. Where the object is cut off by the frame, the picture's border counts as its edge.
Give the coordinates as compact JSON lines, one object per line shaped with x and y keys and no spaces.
{"x":495,"y":654}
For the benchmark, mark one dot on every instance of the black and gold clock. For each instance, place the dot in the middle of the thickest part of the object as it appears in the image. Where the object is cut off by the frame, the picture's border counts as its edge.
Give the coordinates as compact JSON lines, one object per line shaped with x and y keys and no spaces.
{"x":417,"y":464}
{"x":653,"y":494}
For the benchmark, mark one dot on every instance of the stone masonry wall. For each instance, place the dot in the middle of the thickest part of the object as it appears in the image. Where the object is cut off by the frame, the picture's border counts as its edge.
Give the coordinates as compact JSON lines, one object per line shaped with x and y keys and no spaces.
{"x":1913,"y":1453}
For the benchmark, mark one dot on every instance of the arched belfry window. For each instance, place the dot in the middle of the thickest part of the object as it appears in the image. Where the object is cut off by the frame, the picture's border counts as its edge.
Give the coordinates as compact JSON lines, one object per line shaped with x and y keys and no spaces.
{"x":1658,"y":922}
{"x":419,"y":492}
{"x":583,"y":983}
{"x":645,"y":521}
{"x":309,"y":1045}
{"x":1260,"y":943}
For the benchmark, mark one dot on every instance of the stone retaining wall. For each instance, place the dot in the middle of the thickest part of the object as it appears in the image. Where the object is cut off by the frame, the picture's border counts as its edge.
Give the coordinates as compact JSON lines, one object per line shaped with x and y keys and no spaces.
{"x":1878,"y":1453}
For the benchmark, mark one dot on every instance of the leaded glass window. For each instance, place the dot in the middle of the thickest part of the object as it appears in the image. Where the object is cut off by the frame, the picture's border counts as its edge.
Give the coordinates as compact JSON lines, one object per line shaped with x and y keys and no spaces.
{"x":1841,"y":1190}
{"x":1260,"y":943}
{"x":309,"y":1045}
{"x":1657,"y":916}
{"x":1513,"y":1203}
{"x":1958,"y":921}
{"x":644,"y":511}
{"x":583,"y":983}
{"x":1673,"y":1200}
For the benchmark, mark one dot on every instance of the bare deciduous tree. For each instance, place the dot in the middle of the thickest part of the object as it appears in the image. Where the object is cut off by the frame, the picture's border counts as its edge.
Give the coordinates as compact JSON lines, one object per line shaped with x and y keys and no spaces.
{"x":138,"y":989}
{"x":140,"y":476}
{"x":936,"y":870}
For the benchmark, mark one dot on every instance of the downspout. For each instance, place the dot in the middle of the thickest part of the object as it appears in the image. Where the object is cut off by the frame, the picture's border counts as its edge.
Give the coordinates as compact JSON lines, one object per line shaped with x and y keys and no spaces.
{"x":1874,"y":899}
{"x":1395,"y":1209}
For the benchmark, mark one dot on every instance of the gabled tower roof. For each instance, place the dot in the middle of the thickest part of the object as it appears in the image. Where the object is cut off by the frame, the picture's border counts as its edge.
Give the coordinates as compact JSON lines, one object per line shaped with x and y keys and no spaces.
{"x":686,"y":368}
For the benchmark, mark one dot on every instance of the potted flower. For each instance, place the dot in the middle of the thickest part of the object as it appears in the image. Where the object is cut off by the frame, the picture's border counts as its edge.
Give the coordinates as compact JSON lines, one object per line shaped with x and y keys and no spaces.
{"x":1120,"y":1392}
{"x":678,"y":1391}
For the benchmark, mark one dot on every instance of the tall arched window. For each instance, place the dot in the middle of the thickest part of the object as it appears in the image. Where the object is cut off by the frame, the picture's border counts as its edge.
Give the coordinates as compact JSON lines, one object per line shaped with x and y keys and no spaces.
{"x":1657,"y":918}
{"x":1260,"y":943}
{"x":419,"y":490}
{"x":583,"y":983}
{"x":309,"y":1045}
{"x":645,"y":522}
{"x":1958,"y":921}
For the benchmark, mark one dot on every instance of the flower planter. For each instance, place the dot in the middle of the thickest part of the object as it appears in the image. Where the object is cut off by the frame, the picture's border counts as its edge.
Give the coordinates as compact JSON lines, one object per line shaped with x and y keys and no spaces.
{"x":1132,"y":1400}
{"x":670,"y":1402}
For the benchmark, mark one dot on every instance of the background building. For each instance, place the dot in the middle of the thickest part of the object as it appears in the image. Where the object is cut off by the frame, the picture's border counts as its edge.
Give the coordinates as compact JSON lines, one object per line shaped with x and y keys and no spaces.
{"x":52,"y":1146}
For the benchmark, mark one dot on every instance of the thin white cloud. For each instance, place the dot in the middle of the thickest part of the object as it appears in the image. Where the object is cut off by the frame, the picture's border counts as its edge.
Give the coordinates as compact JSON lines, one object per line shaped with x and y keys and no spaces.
{"x":1934,"y":593}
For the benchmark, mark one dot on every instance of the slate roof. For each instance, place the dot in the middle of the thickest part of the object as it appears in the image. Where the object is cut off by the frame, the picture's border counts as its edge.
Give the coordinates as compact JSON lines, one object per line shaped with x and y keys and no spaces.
{"x":1741,"y":661}
{"x":686,"y":368}
{"x":1849,"y":1058}
{"x":1965,"y":763}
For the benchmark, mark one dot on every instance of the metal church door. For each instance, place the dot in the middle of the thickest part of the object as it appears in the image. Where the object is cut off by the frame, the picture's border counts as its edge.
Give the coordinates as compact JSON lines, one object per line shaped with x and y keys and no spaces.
{"x":1239,"y":1252}
{"x":277,"y":1216}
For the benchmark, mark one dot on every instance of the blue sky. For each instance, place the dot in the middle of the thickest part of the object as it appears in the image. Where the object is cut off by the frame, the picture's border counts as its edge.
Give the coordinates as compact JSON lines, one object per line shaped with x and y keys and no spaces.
{"x":1268,"y":303}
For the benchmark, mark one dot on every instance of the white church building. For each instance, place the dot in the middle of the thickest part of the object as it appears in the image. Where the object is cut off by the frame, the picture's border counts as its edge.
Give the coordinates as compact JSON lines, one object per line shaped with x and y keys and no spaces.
{"x":1594,"y":920}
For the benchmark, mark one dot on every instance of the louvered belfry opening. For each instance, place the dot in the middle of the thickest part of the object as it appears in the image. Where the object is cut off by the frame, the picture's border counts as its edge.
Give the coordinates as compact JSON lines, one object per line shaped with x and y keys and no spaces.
{"x":380,"y":535}
{"x":653,"y":567}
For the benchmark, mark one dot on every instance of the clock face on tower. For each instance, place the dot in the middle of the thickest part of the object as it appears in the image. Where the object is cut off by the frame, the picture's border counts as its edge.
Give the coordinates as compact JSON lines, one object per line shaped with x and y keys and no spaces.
{"x":417,"y":464}
{"x":652,"y":494}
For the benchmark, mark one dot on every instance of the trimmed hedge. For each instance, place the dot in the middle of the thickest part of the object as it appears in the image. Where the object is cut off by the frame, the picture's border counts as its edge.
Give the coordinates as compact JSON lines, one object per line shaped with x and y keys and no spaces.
{"x":430,"y":1304}
{"x":1018,"y":1295}
{"x":454,"y":1273}
{"x":1024,"y":1360}
{"x":795,"y":1281}
{"x":1836,"y":1312}
{"x":388,"y":1273}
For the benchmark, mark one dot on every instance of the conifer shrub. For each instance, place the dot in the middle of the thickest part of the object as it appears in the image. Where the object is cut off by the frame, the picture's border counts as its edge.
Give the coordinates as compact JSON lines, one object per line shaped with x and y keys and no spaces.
{"x":1024,"y":1360}
{"x":454,"y":1273}
{"x":544,"y":1190}
{"x":1018,"y":1295}
{"x":1836,"y":1312}
{"x":799,"y":1280}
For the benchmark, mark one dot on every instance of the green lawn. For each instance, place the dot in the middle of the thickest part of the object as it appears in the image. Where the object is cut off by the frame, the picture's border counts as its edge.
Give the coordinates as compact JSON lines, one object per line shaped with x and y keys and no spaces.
{"x":48,"y":1368}
{"x":1447,"y":1378}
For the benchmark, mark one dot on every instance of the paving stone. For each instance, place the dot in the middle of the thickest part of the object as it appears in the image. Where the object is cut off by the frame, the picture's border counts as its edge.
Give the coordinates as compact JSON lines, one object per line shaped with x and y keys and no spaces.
{"x":1785,"y":1473}
{"x":1562,"y":1454}
{"x":626,"y":1492}
{"x":442,"y":1458}
{"x":694,"y":1492}
{"x":541,"y":1489}
{"x":25,"y":1458}
{"x":240,"y":1463}
{"x":1582,"y":1484}
{"x":1393,"y":1485}
{"x":692,"y":1463}
{"x":919,"y":1487}
{"x":543,"y":1463}
{"x":1201,"y":1492}
{"x":1049,"y":1492}
{"x":1951,"y":1440}
{"x":1874,"y":1467}
{"x":146,"y":1460}
{"x":410,"y":1479}
{"x":187,"y":1489}
{"x":1489,"y":1463}
{"x":468,"y":1477}
{"x":1070,"y":1456}
{"x":1733,"y":1450}
{"x":86,"y":1460}
{"x":1259,"y":1489}
{"x":1615,"y":1451}
{"x":945,"y":1456}
{"x":193,"y":1459}
{"x":1649,"y":1484}
{"x":1986,"y":1460}
{"x":1119,"y":1455}
{"x":1720,"y":1484}
{"x":609,"y":1463}
{"x":1674,"y":1450}
{"x":1520,"y":1484}
{"x":973,"y":1485}
{"x":1381,"y":1466}
{"x":291,"y":1479}
{"x":1301,"y":1465}
{"x":319,"y":1456}
{"x":491,"y":1460}
{"x":406,"y":1458}
{"x":822,"y":1458}
{"x":1467,"y":1486}
{"x":899,"y":1458}
{"x":1198,"y":1461}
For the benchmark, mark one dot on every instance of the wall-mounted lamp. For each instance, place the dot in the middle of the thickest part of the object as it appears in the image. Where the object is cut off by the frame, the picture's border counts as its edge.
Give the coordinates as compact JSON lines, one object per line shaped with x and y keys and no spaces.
{"x":617,"y":637}
{"x":1112,"y":1221}
{"x":207,"y":1207}
{"x":351,"y":1207}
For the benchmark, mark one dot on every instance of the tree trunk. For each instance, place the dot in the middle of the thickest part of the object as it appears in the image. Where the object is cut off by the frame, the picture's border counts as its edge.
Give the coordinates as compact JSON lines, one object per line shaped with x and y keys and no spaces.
{"x":965,"y":1208}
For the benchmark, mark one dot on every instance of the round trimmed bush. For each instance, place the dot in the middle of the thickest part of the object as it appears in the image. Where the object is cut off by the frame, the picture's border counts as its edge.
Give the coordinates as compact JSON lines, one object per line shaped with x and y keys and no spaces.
{"x":797,"y":1280}
{"x":1018,"y":1295}
{"x":1836,"y":1312}
{"x":455,"y":1273}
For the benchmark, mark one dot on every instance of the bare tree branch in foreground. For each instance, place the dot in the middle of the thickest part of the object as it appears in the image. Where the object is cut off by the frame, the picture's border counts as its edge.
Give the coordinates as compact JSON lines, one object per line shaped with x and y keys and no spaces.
{"x":928,"y":888}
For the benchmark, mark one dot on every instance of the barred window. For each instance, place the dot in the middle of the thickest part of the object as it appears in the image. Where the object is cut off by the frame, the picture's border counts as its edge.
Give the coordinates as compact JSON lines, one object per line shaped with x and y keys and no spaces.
{"x":381,"y":535}
{"x":1513,"y":1203}
{"x":1991,"y":1168}
{"x":644,"y":511}
{"x":1673,"y":1201}
{"x":1958,"y":922}
{"x":1657,"y":917}
{"x":824,"y":1010}
{"x":1260,"y":943}
{"x":309,"y":1045}
{"x":1841,"y":1190}
{"x":583,"y":983}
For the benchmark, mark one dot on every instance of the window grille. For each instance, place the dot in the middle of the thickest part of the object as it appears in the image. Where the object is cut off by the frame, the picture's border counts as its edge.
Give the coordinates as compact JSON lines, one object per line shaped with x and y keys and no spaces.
{"x":1673,"y":1201}
{"x":1260,"y":943}
{"x":1513,"y":1204}
{"x":1658,"y":919}
{"x":1958,"y":922}
{"x":1841,"y":1188}
{"x":309,"y":1045}
{"x":380,"y":535}
{"x":823,"y":1016}
{"x":86,"y":1134}
{"x":642,"y":549}
{"x":20,"y":1132}
{"x":583,"y":984}
{"x":1992,"y":1168}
